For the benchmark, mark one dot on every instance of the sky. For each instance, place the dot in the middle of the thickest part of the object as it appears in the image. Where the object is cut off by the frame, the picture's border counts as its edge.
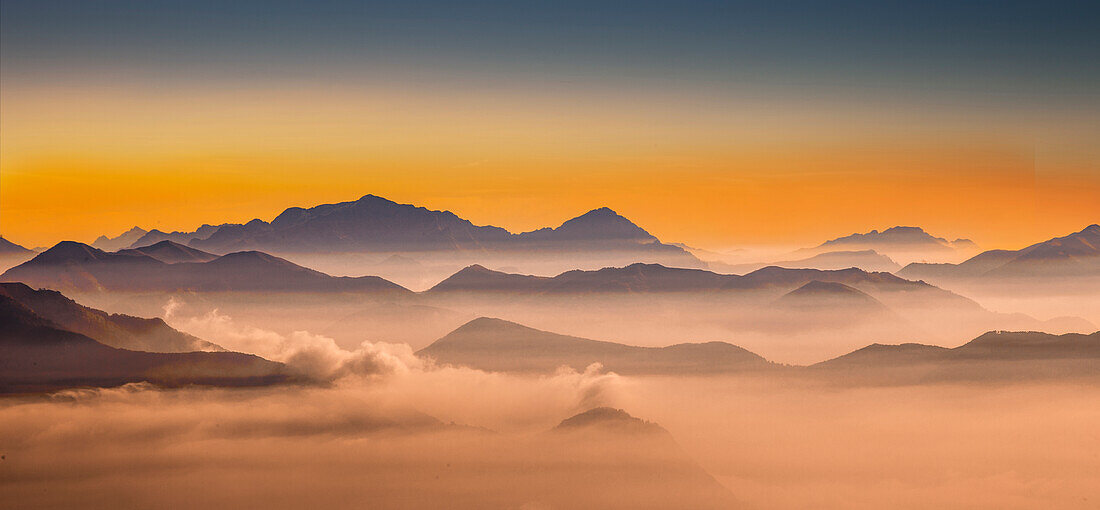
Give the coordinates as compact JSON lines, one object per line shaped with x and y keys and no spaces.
{"x":718,"y":124}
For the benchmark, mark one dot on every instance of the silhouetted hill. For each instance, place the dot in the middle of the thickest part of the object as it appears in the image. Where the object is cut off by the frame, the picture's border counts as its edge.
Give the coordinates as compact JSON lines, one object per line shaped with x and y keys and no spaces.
{"x":124,"y":240}
{"x":171,"y":252}
{"x":498,"y":345}
{"x":69,"y":265}
{"x":611,"y":420}
{"x":36,"y":355}
{"x":156,"y":236}
{"x":1077,"y":254}
{"x":115,"y":330}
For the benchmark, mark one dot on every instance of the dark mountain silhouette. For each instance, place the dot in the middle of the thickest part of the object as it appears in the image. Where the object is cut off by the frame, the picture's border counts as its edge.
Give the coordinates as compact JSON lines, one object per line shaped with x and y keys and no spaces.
{"x":171,"y":252}
{"x":156,"y":236}
{"x":499,"y":345}
{"x":1077,"y":254}
{"x":70,"y":265}
{"x":477,"y":278}
{"x":375,"y":224}
{"x":124,"y":240}
{"x":114,"y":330}
{"x":611,"y":420}
{"x":599,"y":225}
{"x":36,"y":355}
{"x":9,"y":248}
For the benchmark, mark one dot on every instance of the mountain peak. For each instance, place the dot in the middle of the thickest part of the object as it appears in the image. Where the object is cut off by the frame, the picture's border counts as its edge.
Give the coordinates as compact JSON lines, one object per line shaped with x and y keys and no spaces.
{"x":66,"y":251}
{"x":375,"y":198}
{"x":599,"y":225}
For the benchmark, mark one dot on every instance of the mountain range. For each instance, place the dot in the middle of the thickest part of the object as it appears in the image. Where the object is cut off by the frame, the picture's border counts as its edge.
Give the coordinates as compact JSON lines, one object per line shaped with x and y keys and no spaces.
{"x":655,"y":278}
{"x":1077,"y":254}
{"x":375,"y":224}
{"x":900,"y":243}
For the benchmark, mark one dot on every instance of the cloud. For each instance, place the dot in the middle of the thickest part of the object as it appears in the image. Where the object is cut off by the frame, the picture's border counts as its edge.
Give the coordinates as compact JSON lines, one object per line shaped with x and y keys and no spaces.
{"x":314,"y":356}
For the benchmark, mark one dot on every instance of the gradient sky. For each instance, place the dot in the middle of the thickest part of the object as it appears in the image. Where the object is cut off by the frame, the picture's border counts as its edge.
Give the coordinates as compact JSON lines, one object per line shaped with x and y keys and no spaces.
{"x":714,"y":123}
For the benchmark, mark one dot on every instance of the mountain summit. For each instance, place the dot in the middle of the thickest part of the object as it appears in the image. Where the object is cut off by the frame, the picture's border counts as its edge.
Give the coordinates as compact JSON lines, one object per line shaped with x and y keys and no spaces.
{"x":601,"y":224}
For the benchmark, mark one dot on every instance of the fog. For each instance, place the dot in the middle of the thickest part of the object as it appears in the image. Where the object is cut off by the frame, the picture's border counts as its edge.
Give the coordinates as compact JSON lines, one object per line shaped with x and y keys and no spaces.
{"x":754,"y":321}
{"x":376,"y":426}
{"x":429,"y":437}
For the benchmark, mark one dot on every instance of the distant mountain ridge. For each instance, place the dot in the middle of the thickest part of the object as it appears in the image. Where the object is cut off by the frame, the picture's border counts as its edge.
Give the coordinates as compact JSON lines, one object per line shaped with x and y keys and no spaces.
{"x":900,"y":243}
{"x":1076,"y":254}
{"x":895,"y":235}
{"x":123,"y":240}
{"x":76,"y":266}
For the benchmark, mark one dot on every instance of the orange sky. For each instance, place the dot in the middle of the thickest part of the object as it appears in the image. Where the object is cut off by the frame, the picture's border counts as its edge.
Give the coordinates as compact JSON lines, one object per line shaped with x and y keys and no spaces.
{"x":715,"y":172}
